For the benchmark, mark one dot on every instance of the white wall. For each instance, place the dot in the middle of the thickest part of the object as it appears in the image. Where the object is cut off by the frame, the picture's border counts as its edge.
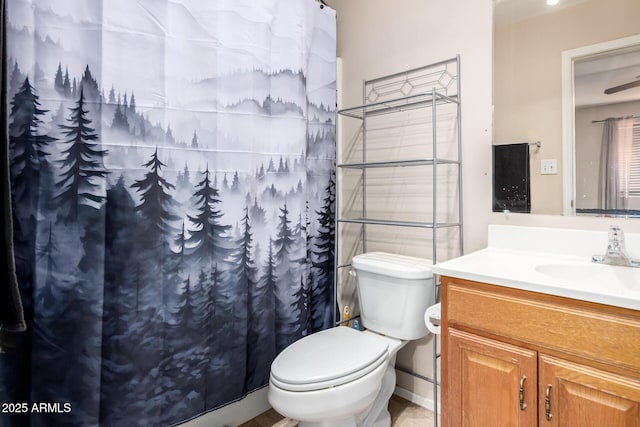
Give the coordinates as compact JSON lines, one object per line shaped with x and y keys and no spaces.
{"x":380,"y":37}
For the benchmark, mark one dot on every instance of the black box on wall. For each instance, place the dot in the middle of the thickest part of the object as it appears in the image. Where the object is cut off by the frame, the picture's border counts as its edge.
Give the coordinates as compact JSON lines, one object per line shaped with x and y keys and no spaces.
{"x":511,"y":178}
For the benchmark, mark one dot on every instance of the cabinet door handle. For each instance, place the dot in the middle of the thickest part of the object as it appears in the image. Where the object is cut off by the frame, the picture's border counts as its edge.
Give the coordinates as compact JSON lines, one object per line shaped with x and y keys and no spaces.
{"x":547,"y":403}
{"x":521,"y":393}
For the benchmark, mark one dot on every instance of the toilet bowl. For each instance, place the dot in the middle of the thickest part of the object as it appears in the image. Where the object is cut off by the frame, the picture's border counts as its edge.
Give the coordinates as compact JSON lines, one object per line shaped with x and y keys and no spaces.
{"x":342,"y":377}
{"x":333,"y":377}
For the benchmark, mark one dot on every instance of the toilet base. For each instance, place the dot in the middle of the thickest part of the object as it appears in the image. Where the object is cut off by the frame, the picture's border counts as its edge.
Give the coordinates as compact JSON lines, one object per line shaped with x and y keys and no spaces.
{"x":384,"y":419}
{"x":360,"y":403}
{"x":379,"y":409}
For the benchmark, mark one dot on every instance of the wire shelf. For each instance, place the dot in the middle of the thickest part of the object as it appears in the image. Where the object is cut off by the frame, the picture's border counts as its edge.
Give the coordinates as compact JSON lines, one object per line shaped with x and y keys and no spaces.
{"x":424,"y":87}
{"x":398,"y":163}
{"x":416,"y":224}
{"x":405,"y":103}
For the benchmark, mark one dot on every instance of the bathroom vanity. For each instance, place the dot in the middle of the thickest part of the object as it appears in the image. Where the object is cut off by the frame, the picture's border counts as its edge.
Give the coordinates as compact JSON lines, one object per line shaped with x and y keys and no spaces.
{"x":538,"y":338}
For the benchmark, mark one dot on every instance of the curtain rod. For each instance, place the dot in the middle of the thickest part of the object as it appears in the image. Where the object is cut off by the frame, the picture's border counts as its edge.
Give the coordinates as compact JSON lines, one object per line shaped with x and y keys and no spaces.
{"x":616,"y":118}
{"x":536,"y":144}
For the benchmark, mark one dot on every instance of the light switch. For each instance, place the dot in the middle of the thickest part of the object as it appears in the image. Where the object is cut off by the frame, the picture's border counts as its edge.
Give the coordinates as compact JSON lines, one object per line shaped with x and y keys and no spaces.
{"x":549,"y":166}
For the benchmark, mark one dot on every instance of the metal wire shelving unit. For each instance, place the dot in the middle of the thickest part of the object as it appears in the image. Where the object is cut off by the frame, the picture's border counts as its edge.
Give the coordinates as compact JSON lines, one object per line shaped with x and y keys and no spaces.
{"x":427,"y":87}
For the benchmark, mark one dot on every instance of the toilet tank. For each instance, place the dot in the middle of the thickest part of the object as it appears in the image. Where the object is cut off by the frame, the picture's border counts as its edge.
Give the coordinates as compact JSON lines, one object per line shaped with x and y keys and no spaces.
{"x":394,"y":292}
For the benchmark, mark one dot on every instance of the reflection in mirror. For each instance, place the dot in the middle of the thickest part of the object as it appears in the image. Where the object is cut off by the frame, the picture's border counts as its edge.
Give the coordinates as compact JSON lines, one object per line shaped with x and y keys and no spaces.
{"x":607,"y":132}
{"x":529,"y":38}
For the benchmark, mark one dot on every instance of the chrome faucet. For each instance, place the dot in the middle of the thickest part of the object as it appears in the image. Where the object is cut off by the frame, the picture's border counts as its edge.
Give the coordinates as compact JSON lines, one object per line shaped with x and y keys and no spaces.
{"x":616,"y":253}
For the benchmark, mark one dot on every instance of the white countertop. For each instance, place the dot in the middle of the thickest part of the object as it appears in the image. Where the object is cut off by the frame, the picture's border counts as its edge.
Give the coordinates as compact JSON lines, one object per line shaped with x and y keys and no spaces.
{"x":560,"y":270}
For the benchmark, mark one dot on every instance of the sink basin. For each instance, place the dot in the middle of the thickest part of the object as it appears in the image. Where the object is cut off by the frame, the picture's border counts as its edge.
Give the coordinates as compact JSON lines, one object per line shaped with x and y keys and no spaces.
{"x":583,"y":274}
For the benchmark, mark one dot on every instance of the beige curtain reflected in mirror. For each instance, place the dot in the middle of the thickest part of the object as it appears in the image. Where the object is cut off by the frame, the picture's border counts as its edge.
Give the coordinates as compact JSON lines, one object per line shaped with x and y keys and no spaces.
{"x":615,"y":163}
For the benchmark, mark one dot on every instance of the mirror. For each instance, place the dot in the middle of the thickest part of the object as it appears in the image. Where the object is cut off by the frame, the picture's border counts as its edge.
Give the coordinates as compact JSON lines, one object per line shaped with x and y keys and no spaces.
{"x":530,"y":37}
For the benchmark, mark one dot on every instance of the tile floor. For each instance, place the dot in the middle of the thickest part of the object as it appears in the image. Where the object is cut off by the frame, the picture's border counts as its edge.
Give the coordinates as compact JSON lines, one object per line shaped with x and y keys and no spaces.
{"x":403,"y":414}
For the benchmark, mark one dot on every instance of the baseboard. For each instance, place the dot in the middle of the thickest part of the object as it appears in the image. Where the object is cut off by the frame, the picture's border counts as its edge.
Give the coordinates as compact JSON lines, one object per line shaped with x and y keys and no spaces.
{"x":235,"y":413}
{"x":256,"y":403}
{"x":425,"y":402}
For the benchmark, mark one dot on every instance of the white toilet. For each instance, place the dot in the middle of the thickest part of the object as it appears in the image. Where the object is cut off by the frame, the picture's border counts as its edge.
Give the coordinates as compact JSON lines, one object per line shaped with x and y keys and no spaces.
{"x":344,"y":377}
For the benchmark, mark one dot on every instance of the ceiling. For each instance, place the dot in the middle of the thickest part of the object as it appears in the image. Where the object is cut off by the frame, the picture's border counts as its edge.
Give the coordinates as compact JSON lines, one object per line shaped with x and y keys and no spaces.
{"x":594,"y":75}
{"x":511,"y":11}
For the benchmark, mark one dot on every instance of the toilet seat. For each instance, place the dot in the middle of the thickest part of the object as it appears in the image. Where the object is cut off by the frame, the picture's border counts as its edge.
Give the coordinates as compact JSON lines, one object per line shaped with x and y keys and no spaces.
{"x":327,"y":359}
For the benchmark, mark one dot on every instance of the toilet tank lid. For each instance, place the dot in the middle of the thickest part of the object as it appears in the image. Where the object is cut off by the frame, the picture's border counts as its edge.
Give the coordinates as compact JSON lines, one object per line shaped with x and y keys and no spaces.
{"x":394,"y":265}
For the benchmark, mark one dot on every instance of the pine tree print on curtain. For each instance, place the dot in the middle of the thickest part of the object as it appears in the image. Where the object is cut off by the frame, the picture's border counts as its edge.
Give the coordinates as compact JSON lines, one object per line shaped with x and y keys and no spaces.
{"x":173,"y":192}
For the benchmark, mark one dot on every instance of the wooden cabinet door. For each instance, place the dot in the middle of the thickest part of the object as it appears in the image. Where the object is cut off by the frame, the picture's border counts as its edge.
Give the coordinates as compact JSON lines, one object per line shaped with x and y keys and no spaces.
{"x":484,"y":383}
{"x":580,"y":396}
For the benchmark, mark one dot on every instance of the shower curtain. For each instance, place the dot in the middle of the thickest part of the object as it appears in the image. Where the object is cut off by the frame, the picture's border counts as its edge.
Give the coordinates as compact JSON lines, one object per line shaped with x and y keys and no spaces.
{"x":173,"y":183}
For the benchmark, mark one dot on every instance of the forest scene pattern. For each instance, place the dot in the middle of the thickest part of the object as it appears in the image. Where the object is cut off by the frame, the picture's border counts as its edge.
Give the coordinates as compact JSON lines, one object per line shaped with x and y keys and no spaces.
{"x":160,"y":275}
